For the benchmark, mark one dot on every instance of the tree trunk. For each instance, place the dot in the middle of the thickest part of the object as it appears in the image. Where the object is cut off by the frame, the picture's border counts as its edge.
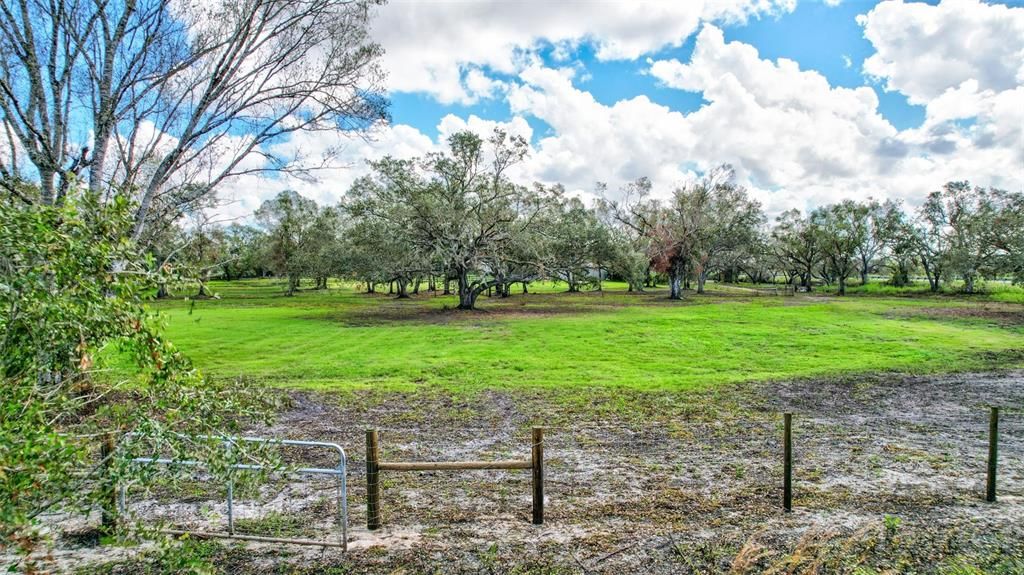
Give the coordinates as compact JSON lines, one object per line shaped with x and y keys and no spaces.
{"x":675,"y":280}
{"x":842,"y":284}
{"x":674,"y":285}
{"x":447,"y":286}
{"x":701,"y":278}
{"x":933,"y":275}
{"x":969,"y":283}
{"x":901,"y":277}
{"x":293,"y":284}
{"x":416,"y":287}
{"x":524,"y":287}
{"x":467,"y":297}
{"x":161,"y":290}
{"x":46,"y":177}
{"x":826,"y":276}
{"x":202,"y":286}
{"x":403,"y":285}
{"x":100,"y":144}
{"x":371,"y":287}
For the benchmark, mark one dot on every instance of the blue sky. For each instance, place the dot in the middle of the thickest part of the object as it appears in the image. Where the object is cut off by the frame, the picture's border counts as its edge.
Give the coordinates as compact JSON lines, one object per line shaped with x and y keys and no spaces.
{"x":817,"y":36}
{"x":821,"y":37}
{"x":887,"y":99}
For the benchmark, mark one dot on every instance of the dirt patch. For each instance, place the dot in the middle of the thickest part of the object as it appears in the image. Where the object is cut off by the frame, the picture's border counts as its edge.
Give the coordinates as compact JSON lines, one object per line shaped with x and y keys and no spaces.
{"x":1004,"y":315}
{"x":889,"y":474}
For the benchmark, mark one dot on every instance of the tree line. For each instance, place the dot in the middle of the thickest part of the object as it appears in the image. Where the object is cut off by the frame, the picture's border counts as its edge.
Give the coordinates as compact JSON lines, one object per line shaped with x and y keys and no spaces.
{"x":455,"y":221}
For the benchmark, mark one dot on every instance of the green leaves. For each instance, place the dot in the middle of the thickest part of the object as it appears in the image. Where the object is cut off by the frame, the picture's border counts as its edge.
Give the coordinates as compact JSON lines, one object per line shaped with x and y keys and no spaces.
{"x":71,"y":286}
{"x":454,"y":210}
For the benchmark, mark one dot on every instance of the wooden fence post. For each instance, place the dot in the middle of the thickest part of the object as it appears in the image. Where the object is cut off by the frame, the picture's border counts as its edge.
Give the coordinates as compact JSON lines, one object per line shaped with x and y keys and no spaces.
{"x":537,"y":462}
{"x":787,"y":466}
{"x":372,"y":480}
{"x":109,"y":499}
{"x":993,"y":453}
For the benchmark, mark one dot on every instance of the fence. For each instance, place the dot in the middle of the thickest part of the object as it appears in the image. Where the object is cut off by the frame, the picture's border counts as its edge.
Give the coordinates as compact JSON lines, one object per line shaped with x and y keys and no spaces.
{"x":340,"y":471}
{"x":992,"y":459}
{"x":374,"y":466}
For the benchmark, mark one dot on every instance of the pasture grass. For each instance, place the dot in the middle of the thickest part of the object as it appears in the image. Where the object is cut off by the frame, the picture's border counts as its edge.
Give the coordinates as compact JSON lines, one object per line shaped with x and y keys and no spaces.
{"x":991,"y":290}
{"x":341,"y":339}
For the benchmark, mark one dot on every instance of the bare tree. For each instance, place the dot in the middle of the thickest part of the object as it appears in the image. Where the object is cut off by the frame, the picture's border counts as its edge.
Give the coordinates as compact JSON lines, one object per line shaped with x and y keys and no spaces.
{"x":179,"y":94}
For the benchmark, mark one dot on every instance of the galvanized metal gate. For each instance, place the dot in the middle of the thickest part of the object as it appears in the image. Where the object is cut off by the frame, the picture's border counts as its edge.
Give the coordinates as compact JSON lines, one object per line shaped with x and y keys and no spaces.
{"x":340,"y":471}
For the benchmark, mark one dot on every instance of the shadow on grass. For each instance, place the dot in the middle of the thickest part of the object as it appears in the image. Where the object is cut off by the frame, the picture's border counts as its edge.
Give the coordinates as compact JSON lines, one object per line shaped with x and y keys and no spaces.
{"x":442,"y":310}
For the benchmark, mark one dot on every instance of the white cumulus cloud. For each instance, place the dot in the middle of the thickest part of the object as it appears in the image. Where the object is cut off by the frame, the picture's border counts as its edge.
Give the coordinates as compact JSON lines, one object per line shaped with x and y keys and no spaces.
{"x":432,"y":46}
{"x":795,"y":139}
{"x":924,"y":50}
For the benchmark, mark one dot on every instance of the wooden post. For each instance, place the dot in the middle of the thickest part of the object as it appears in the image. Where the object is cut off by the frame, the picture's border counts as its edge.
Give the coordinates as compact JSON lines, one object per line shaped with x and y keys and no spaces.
{"x":993,"y":453}
{"x":109,"y":500}
{"x":787,"y":466}
{"x":372,"y":480}
{"x":537,"y":462}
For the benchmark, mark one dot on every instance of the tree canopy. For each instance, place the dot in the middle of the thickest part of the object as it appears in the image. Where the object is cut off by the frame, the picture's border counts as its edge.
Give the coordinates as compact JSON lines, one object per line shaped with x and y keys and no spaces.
{"x":459,"y":217}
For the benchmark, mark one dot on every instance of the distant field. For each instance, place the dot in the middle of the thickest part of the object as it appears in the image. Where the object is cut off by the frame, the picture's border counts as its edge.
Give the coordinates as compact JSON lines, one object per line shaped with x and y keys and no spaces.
{"x":343,"y":339}
{"x":997,"y":291}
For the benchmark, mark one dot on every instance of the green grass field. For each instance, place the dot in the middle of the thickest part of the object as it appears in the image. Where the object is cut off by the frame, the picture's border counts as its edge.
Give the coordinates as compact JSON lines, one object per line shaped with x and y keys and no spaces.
{"x":341,"y":339}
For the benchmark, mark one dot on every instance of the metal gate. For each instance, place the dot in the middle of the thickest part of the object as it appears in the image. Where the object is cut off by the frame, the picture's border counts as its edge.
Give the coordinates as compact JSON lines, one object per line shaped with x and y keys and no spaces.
{"x":340,"y":472}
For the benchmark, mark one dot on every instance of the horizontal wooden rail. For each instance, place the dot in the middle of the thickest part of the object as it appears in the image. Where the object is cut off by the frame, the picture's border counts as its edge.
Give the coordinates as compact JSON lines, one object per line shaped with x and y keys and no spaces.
{"x":445,"y":465}
{"x":374,"y":466}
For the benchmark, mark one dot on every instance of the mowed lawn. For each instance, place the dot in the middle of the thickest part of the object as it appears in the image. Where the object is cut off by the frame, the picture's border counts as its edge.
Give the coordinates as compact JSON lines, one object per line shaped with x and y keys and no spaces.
{"x":342,"y":339}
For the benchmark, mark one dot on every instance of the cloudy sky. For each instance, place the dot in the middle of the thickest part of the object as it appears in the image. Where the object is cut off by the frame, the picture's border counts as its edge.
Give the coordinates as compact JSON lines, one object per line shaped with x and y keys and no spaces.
{"x":811,"y":101}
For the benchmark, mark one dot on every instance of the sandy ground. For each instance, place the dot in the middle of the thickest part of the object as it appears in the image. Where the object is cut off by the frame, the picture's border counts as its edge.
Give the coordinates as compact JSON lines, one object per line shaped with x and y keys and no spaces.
{"x":889,"y":475}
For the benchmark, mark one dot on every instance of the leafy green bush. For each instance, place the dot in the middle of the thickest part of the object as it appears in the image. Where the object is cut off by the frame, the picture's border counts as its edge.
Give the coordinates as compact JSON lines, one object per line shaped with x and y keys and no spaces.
{"x":71,"y":284}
